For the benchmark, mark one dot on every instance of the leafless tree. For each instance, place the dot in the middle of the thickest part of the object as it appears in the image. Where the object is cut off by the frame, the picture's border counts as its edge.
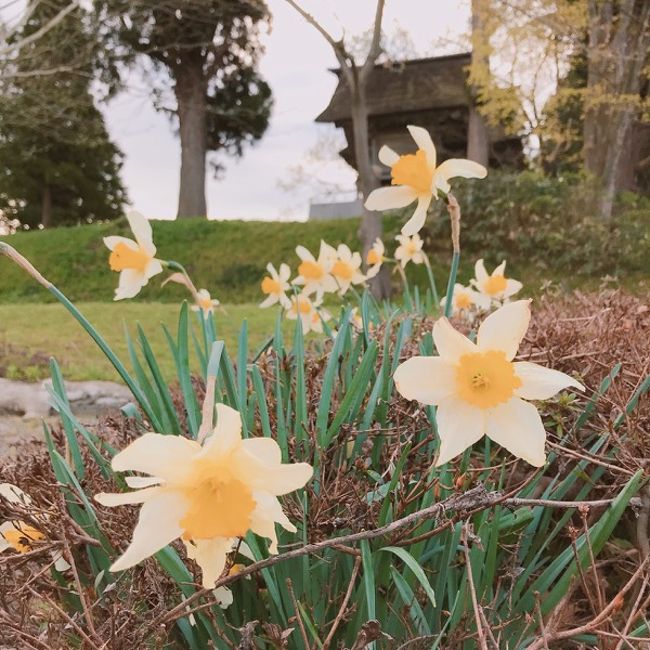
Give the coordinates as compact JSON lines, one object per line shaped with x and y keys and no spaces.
{"x":356,"y":76}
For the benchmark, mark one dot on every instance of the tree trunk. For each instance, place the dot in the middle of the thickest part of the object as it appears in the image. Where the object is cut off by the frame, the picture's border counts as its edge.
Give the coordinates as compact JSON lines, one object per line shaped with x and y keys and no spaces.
{"x":46,"y":207}
{"x":192,"y":117}
{"x":619,"y":41}
{"x":478,"y":143}
{"x":371,"y":222}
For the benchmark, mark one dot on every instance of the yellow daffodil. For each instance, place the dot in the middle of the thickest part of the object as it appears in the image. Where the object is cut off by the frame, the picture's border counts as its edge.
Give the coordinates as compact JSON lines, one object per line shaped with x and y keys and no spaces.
{"x":310,"y":313}
{"x":205,"y":303}
{"x":495,"y":285}
{"x":418,"y":177}
{"x":208,"y":494}
{"x":275,"y":285}
{"x":409,"y":250}
{"x":375,"y":258}
{"x":134,"y":260}
{"x":479,"y":390}
{"x":466,"y":299}
{"x":19,"y":535}
{"x":316,"y":274}
{"x":347,"y":269}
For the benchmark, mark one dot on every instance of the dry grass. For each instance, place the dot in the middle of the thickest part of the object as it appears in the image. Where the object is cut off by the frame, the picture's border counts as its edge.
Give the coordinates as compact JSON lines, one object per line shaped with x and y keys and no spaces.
{"x":583,"y":335}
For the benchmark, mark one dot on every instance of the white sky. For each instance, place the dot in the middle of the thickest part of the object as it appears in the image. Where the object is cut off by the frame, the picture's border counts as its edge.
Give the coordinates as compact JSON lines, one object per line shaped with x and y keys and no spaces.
{"x":296,"y":66}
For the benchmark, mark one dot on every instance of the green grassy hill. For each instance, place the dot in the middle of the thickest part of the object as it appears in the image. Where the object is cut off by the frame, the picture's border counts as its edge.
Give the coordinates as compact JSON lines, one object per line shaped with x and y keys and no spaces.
{"x":542,"y":226}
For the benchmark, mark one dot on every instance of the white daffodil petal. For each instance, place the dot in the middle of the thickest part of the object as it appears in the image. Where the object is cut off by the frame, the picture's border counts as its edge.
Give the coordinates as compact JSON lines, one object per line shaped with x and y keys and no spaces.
{"x":304,"y":254}
{"x":60,"y":563}
{"x":425,"y":379}
{"x":501,"y":269}
{"x":505,"y":328}
{"x":13,"y":494}
{"x":130,"y":283}
{"x":538,"y":382}
{"x":158,"y":525}
{"x":479,"y":271}
{"x":211,"y":555}
{"x":285,"y":272}
{"x":391,"y":198}
{"x":512,"y":287}
{"x":124,"y":498}
{"x":459,"y":427}
{"x":224,"y":597}
{"x":517,"y":426}
{"x":153,"y":268}
{"x":277,"y":479}
{"x":157,"y":454}
{"x":387,"y":156}
{"x":138,"y":482}
{"x":450,"y":343}
{"x":264,"y":449}
{"x":423,"y":140}
{"x":460,"y":167}
{"x":141,"y":229}
{"x":415,"y":223}
{"x":112,"y":241}
{"x":269,"y":301}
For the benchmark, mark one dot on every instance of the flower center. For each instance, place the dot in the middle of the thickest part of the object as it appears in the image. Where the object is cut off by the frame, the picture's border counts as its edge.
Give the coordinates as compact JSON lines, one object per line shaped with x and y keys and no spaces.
{"x":485,"y":379}
{"x":205,"y":303}
{"x":271,"y":286}
{"x":220,"y":505}
{"x":303,"y":306}
{"x":495,"y":284}
{"x":463,"y":300}
{"x":342,"y":270}
{"x":411,"y":248}
{"x":311,"y":270}
{"x":124,"y":257}
{"x":20,"y":537}
{"x":413,"y":170}
{"x":374,"y":257}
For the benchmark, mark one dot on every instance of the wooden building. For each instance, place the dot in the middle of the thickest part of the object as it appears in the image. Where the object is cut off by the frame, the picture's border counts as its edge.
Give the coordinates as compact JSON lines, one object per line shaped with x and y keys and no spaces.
{"x":432,"y":93}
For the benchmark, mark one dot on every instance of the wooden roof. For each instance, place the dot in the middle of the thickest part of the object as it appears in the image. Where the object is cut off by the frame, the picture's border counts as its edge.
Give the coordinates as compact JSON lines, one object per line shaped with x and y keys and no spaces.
{"x":421,"y":84}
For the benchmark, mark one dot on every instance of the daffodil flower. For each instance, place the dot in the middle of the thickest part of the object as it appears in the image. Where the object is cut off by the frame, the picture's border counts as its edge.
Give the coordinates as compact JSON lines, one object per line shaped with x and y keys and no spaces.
{"x":466,"y":299}
{"x":208,"y":494}
{"x":375,"y":258}
{"x":310,"y":313}
{"x":19,"y":535}
{"x":479,"y":389}
{"x":417,"y":177}
{"x":134,"y":260}
{"x":275,"y":285}
{"x":316,"y":274}
{"x":495,"y":285}
{"x":347,"y":269}
{"x":409,"y":250}
{"x":205,"y":303}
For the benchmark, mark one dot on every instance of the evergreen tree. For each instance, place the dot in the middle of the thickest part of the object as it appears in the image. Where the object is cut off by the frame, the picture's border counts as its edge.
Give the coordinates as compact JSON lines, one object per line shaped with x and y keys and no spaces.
{"x":205,"y":53}
{"x":59,"y":165}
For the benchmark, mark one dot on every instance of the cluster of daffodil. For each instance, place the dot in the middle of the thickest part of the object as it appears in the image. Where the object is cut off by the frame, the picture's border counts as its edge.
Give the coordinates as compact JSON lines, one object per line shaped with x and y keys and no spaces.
{"x":483,"y":293}
{"x":135,"y":260}
{"x":335,"y":270}
{"x":210,"y":492}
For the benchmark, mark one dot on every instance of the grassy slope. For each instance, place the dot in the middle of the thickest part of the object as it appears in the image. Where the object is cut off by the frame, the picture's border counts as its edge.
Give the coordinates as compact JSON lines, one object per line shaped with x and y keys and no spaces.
{"x":227,"y":257}
{"x":31,"y":333}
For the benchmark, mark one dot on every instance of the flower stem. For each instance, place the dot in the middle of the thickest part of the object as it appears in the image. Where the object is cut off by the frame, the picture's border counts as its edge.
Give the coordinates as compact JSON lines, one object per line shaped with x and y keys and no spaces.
{"x":454,"y":216}
{"x":22,"y":262}
{"x":432,"y":282}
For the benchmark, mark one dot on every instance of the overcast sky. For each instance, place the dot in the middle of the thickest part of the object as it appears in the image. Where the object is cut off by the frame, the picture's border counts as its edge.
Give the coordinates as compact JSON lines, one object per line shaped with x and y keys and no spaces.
{"x":296,"y":65}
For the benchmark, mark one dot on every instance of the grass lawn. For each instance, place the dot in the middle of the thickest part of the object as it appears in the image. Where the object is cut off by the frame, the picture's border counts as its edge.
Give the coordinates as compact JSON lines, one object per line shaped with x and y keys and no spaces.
{"x":31,"y":333}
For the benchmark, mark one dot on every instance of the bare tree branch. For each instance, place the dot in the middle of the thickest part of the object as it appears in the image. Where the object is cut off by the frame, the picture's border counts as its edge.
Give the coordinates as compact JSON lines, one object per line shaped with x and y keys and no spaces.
{"x":375,"y":44}
{"x":17,"y":45}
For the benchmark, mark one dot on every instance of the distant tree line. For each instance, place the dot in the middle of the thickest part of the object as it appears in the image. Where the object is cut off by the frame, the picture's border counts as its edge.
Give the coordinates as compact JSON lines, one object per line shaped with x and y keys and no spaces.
{"x":59,"y":165}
